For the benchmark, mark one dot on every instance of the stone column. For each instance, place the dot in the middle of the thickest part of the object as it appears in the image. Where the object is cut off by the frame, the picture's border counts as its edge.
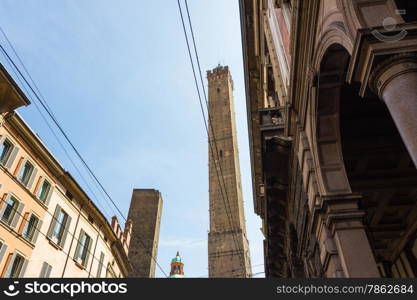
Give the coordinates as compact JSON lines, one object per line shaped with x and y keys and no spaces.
{"x":344,"y":220}
{"x":395,"y":81}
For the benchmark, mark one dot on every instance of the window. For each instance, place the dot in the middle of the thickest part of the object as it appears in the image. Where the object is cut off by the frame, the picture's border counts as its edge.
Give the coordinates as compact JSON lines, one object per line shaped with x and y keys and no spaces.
{"x":109,"y":272}
{"x":26,"y":173}
{"x":9,"y":211}
{"x":5,"y":151}
{"x":8,"y":152}
{"x":46,"y":270}
{"x":59,"y":227}
{"x":43,"y":193}
{"x":100,"y":265}
{"x":82,"y":252}
{"x":32,"y":228}
{"x":3,"y":248}
{"x":17,"y":266}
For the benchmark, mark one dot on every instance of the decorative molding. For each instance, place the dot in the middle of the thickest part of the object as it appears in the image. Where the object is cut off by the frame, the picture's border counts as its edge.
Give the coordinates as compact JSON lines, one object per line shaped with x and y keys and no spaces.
{"x":369,"y":49}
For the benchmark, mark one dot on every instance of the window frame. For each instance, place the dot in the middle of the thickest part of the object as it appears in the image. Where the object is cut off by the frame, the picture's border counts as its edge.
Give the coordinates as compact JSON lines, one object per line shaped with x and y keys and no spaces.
{"x":100,"y":265}
{"x":35,"y":230}
{"x":46,"y":270}
{"x":25,"y":180}
{"x":3,"y":160}
{"x":83,"y":249}
{"x":20,"y":269}
{"x":14,"y":211}
{"x":40,"y":190}
{"x":11,"y":156}
{"x":57,"y":236}
{"x":59,"y":241}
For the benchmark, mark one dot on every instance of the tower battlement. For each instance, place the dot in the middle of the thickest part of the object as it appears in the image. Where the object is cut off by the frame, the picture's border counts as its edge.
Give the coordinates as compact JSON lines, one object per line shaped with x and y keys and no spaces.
{"x":218,"y":72}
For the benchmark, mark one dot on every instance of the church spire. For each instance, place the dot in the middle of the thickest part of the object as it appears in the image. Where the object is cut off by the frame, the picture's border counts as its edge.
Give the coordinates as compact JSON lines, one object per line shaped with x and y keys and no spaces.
{"x":177,"y":267}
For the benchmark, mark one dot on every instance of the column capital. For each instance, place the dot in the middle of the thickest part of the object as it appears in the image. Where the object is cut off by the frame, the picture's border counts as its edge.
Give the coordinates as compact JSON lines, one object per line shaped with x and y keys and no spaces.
{"x":396,"y":65}
{"x":376,"y":45}
{"x":341,"y":212}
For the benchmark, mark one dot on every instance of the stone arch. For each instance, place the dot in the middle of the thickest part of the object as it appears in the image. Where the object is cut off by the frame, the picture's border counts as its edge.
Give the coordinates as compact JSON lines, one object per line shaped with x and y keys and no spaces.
{"x":324,"y":109}
{"x":367,"y":14}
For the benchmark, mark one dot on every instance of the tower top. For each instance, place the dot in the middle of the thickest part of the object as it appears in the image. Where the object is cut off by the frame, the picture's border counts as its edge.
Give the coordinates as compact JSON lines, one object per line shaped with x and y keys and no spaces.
{"x":177,"y":258}
{"x":218,"y":71}
{"x":177,"y":267}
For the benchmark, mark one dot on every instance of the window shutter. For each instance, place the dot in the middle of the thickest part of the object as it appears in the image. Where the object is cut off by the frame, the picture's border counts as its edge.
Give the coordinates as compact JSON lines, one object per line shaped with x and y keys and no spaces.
{"x":37,"y":230}
{"x":23,"y":270}
{"x":88,"y":252}
{"x":48,"y":271}
{"x":3,"y":204}
{"x":12,"y":157}
{"x":44,"y":270}
{"x":53,"y":221}
{"x":17,"y":215}
{"x":9,"y":267}
{"x":32,"y":178}
{"x":77,"y":249}
{"x":48,"y":198}
{"x":25,"y":221}
{"x":2,"y":251}
{"x":64,"y":235}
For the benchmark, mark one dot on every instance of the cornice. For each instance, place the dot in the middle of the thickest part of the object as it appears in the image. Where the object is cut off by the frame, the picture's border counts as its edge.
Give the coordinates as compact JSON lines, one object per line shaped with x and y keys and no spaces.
{"x":370,"y":49}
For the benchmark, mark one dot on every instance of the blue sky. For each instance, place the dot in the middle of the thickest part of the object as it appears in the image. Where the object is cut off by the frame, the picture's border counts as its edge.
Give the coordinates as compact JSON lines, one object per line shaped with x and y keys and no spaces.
{"x":117,"y":76}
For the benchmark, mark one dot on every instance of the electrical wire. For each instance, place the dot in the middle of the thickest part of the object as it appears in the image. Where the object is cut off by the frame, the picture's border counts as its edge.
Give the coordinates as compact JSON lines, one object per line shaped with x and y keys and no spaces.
{"x":45,"y":106}
{"x":230,"y":219}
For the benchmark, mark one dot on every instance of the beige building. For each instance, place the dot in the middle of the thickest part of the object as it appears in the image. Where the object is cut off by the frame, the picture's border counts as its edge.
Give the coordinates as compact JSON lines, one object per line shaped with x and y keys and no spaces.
{"x":48,"y":225}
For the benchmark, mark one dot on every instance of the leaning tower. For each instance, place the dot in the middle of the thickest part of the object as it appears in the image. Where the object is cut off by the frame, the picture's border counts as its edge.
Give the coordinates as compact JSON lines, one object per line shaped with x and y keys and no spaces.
{"x":228,"y":247}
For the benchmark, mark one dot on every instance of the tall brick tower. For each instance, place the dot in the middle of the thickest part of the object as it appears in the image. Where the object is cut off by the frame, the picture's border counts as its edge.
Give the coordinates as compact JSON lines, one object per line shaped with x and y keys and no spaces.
{"x":145,"y":212}
{"x":228,"y":247}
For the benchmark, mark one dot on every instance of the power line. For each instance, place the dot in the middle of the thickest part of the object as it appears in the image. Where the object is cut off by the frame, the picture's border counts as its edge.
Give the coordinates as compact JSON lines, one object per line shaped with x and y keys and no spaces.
{"x":206,"y":126}
{"x":230,"y":218}
{"x":208,"y":110}
{"x":45,"y":106}
{"x":211,"y":124}
{"x":46,"y":236}
{"x":54,"y":134}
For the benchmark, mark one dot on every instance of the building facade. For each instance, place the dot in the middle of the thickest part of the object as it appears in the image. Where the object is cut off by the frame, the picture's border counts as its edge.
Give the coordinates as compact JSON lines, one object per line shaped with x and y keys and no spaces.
{"x":228,"y":246}
{"x":331,"y":88}
{"x":145,"y":213}
{"x":48,"y":225}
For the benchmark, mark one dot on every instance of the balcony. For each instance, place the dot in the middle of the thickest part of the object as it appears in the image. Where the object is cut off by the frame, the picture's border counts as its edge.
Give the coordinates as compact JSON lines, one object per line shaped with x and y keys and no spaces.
{"x":271,"y":118}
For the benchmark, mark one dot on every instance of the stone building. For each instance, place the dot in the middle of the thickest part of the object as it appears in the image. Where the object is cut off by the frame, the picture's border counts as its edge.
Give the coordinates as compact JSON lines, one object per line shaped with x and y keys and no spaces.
{"x":331,"y":88}
{"x":145,"y":212}
{"x":48,"y":225}
{"x":228,"y":247}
